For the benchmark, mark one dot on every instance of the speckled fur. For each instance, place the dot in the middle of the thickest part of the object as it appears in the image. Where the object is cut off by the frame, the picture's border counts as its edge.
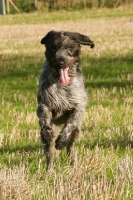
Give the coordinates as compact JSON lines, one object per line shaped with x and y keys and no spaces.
{"x":61,"y":105}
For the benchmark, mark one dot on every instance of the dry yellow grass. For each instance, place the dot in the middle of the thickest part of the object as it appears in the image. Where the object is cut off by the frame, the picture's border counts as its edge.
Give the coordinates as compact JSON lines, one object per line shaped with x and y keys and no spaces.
{"x":13,"y":184}
{"x":106,"y":33}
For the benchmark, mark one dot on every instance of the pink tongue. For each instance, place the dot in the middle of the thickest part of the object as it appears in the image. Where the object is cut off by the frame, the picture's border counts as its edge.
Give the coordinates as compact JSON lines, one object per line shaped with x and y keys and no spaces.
{"x":64,"y":78}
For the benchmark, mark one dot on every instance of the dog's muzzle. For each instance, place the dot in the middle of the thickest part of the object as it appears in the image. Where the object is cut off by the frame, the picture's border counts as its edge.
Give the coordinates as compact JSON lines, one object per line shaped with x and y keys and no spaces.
{"x":62,"y":61}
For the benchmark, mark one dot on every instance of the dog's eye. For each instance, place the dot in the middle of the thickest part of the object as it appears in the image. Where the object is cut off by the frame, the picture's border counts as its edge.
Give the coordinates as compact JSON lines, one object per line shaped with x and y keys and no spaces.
{"x":70,"y":47}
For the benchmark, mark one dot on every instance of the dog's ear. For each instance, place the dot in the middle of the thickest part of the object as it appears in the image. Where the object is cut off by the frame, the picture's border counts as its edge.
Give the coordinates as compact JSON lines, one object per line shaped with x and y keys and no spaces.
{"x":46,"y":38}
{"x":82,"y":39}
{"x":85,"y":40}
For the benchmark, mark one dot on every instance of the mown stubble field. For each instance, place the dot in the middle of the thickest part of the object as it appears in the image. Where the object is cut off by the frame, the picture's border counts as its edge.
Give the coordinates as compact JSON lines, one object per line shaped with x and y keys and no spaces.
{"x":103,"y":167}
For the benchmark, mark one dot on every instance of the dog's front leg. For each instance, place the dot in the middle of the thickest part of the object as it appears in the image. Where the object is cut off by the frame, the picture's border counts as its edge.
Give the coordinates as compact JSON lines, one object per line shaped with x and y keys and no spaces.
{"x":47,"y":133}
{"x":70,"y":131}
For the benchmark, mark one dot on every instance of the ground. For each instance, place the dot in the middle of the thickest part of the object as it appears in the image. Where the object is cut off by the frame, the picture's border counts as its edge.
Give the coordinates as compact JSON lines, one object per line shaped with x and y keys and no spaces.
{"x":103,"y":167}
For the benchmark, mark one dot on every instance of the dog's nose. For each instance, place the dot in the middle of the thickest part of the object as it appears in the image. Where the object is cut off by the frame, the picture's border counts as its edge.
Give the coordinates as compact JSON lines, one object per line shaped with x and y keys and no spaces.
{"x":61,"y":63}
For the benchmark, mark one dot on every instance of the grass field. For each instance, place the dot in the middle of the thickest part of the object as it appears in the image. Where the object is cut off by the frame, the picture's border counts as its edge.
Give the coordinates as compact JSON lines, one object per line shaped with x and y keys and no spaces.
{"x":103,"y":168}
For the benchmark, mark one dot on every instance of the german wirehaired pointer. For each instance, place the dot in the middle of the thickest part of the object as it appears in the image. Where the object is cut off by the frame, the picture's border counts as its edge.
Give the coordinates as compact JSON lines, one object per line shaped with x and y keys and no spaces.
{"x":61,"y":94}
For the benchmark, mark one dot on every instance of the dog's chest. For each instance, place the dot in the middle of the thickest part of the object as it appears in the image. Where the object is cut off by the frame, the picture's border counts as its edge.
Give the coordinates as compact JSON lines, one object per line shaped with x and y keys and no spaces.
{"x":60,"y":98}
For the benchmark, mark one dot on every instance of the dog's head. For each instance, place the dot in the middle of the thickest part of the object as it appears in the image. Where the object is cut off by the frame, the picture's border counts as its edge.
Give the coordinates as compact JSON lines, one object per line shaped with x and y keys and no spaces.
{"x":63,"y":50}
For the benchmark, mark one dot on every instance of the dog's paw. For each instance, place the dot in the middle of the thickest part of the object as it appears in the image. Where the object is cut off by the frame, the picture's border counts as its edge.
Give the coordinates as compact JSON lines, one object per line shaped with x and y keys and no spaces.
{"x":60,"y":142}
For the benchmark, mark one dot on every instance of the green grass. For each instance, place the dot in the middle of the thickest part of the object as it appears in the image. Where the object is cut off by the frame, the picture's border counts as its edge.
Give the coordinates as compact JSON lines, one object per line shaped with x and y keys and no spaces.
{"x":103,"y":167}
{"x":64,"y":15}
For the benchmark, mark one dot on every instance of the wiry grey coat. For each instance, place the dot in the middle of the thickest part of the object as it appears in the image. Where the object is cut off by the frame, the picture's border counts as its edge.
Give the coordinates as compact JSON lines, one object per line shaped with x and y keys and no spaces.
{"x":61,"y":101}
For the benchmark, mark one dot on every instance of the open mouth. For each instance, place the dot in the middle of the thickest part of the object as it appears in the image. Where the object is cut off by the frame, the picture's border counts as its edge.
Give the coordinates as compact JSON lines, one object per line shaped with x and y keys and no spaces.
{"x":64,"y":77}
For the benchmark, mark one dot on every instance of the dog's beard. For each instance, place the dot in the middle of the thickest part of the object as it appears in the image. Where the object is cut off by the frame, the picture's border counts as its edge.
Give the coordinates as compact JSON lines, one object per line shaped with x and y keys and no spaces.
{"x":64,"y":77}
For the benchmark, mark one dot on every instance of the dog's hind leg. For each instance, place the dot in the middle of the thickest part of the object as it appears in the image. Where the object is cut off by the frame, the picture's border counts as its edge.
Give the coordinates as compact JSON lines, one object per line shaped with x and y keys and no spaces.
{"x":47,"y":134}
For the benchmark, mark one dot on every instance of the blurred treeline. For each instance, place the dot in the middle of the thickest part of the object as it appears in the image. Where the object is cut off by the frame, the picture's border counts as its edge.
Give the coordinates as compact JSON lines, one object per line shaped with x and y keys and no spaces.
{"x":29,"y":5}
